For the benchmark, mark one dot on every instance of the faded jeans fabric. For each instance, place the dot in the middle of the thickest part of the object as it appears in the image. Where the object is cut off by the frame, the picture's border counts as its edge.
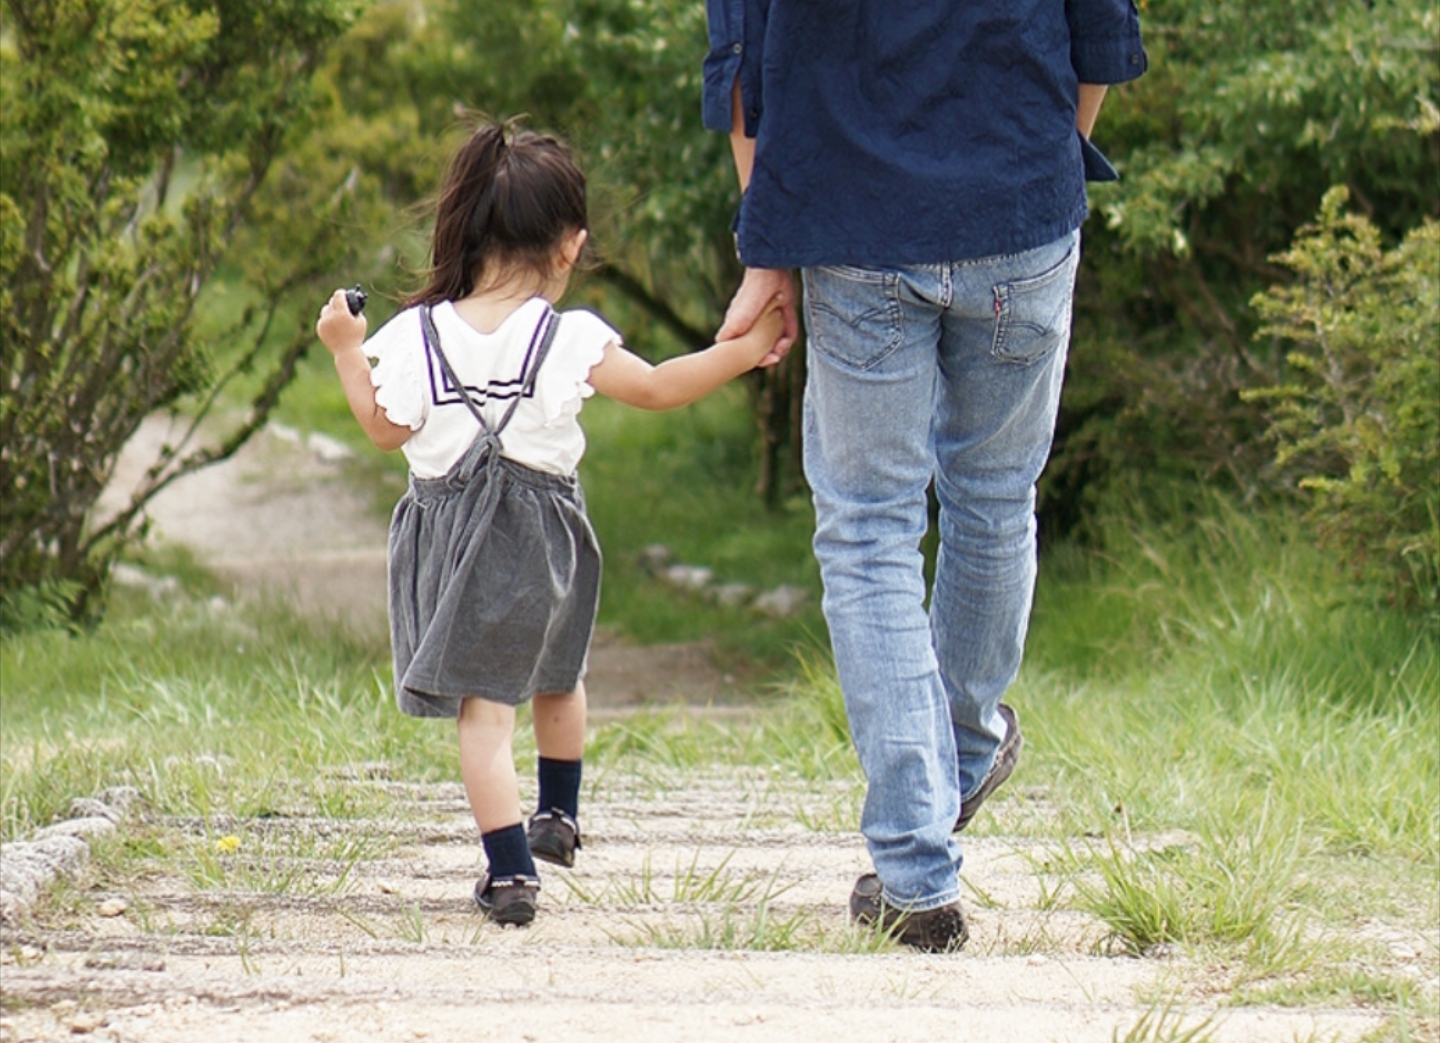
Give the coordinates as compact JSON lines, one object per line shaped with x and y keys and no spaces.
{"x":950,"y":373}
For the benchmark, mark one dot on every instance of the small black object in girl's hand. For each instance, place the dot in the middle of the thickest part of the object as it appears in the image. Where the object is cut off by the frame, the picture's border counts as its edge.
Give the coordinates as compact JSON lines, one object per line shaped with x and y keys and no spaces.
{"x":355,"y":298}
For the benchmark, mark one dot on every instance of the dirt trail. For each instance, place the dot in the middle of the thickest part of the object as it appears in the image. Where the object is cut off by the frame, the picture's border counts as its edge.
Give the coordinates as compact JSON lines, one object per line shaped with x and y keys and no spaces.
{"x":396,"y":952}
{"x":640,"y":942}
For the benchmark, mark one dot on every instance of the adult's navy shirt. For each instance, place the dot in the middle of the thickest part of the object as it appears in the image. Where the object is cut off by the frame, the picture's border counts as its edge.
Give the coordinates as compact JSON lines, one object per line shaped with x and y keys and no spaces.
{"x":892,"y":132}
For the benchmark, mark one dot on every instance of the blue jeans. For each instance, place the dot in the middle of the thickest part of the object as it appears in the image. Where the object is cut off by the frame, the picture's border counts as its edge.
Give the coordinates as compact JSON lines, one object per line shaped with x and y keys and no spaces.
{"x":951,"y":373}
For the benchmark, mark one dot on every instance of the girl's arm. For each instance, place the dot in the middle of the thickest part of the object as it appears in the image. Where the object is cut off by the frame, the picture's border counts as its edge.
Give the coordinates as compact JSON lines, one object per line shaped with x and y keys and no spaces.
{"x":344,"y":335}
{"x":626,"y":377}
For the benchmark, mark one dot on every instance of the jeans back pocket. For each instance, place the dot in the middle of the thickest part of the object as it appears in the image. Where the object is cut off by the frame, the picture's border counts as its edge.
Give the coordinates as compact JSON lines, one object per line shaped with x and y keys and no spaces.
{"x":852,"y":314}
{"x":1032,"y":315}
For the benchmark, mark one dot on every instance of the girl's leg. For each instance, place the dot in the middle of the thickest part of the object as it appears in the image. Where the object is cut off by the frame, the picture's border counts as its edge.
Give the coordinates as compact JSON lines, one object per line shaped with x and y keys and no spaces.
{"x":560,"y":739}
{"x":560,"y":725}
{"x":506,"y":893}
{"x":487,"y":763}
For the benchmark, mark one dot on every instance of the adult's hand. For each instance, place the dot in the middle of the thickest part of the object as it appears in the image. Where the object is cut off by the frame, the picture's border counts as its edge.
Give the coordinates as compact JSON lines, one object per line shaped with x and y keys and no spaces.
{"x":757,"y":290}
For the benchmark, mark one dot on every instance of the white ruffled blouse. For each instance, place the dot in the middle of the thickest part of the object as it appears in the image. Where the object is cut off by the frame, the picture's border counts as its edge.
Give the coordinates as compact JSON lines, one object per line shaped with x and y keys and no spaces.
{"x":545,"y":430}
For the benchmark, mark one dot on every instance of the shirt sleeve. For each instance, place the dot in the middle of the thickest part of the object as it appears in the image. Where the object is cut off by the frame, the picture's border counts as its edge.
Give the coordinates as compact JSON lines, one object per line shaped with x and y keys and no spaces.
{"x":737,"y":35}
{"x":726,"y":22}
{"x":564,"y":380}
{"x":1105,"y":45}
{"x":399,"y":372}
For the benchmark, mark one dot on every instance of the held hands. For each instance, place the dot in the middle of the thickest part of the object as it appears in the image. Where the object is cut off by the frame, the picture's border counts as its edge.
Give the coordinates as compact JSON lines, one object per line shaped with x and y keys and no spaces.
{"x":760,"y":290}
{"x":337,"y":328}
{"x":758,"y":342}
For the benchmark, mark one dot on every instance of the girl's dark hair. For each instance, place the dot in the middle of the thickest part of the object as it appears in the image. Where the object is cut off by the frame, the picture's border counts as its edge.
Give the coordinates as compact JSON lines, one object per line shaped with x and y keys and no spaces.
{"x":510,"y":198}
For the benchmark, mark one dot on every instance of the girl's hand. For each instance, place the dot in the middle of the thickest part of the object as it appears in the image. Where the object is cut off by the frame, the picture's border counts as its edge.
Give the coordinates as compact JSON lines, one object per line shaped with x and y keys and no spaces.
{"x":759,"y":340}
{"x":337,"y":329}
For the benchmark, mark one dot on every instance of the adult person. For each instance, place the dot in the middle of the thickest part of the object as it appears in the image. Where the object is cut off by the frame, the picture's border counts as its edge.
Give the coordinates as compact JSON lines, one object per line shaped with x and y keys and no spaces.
{"x":924,"y":166}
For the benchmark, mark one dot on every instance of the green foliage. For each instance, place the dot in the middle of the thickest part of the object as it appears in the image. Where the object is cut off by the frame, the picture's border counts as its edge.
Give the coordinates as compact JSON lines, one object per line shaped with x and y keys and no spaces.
{"x":693,"y":472}
{"x":1251,"y":110}
{"x":621,"y":83}
{"x":136,"y":134}
{"x":1249,"y":113}
{"x":1359,"y":418}
{"x":40,"y":606}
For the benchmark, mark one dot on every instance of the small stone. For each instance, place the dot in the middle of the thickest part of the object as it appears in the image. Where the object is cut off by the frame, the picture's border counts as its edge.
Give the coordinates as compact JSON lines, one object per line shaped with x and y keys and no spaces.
{"x":89,"y":807}
{"x":78,"y":827}
{"x":112,"y":907}
{"x":783,"y":601}
{"x":326,"y":449}
{"x":120,"y":797}
{"x":86,"y":1022}
{"x":655,"y":557}
{"x":688,"y":577}
{"x":732,"y":595}
{"x":1037,"y":960}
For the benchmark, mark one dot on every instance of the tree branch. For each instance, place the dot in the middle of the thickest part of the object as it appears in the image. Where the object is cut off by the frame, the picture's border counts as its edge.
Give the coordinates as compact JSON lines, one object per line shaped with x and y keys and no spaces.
{"x":693,"y":337}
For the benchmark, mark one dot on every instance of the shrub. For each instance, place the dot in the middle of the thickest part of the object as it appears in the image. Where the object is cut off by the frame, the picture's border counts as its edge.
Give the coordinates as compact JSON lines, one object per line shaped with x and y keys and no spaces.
{"x":136,"y":135}
{"x":1358,"y":420}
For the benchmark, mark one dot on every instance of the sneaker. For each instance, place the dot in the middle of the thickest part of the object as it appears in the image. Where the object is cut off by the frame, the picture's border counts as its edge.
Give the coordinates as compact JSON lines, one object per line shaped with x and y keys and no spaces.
{"x":554,"y":837}
{"x":942,"y":929}
{"x":509,"y":899}
{"x":1005,"y":761}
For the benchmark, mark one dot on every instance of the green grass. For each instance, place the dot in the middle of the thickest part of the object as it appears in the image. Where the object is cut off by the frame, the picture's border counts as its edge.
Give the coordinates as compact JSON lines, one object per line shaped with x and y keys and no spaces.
{"x":1204,"y":683}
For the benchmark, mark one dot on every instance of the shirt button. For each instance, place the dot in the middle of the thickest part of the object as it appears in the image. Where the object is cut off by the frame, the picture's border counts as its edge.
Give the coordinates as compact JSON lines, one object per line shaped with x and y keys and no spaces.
{"x":1134,"y":59}
{"x":736,"y":48}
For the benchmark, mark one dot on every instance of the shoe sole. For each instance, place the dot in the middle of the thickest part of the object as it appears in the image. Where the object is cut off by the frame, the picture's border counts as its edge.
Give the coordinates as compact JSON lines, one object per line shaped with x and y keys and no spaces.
{"x":515,"y":915}
{"x":548,"y":844}
{"x":553,"y":856}
{"x":1005,"y":761}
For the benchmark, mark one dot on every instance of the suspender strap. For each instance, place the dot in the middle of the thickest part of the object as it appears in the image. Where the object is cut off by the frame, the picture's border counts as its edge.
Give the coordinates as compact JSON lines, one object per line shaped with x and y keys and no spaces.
{"x":549,"y":325}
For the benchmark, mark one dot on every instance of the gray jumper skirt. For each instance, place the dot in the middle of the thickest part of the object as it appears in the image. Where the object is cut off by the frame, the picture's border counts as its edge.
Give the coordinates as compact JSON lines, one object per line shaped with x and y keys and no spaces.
{"x":494,"y":572}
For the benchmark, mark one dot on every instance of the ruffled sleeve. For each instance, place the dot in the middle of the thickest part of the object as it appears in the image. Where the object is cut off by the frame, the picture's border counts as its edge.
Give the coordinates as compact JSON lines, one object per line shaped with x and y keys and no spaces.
{"x":399,"y":373}
{"x":563,"y":383}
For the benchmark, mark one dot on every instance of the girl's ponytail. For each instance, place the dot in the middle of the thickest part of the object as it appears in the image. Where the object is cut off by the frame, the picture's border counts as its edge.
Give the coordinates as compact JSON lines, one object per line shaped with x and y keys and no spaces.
{"x":510,"y":198}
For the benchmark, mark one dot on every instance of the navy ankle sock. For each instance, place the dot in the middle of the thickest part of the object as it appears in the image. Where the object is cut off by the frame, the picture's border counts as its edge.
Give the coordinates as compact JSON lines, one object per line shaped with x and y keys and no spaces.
{"x":508,"y":852}
{"x":560,"y":786}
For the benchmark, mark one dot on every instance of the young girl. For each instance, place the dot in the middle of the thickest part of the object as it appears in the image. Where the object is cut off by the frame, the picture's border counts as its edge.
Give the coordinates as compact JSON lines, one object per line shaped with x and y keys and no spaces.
{"x":494,"y":569}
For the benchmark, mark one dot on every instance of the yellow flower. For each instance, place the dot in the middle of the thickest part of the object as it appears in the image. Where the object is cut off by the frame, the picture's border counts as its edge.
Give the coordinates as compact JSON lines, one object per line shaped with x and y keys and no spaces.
{"x":227,"y":845}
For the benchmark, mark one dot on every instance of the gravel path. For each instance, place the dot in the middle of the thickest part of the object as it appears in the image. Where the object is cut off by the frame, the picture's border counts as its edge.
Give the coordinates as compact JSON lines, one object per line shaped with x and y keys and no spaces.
{"x":633,"y":944}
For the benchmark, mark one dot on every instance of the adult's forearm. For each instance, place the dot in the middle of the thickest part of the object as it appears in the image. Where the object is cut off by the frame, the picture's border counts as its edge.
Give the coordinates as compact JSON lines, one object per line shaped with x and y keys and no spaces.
{"x":1092,"y":95}
{"x":741,"y":147}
